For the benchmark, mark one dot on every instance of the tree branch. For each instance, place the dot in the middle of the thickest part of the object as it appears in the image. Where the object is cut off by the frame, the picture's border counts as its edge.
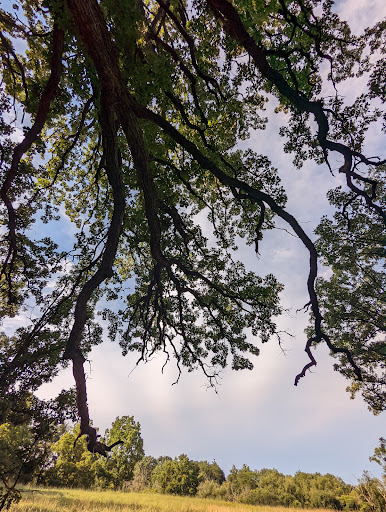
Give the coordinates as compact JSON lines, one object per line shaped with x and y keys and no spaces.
{"x":46,"y":98}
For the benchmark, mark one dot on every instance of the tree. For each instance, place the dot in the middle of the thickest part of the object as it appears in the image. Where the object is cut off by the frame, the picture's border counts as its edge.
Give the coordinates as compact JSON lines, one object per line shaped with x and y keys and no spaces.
{"x":142,"y":473}
{"x":269,"y":487}
{"x":27,"y":432}
{"x":352,"y":300}
{"x":75,"y":466}
{"x":241,"y":482}
{"x":210,"y":472}
{"x":119,"y":468}
{"x":178,"y":476}
{"x":373,"y":492}
{"x":131,"y":113}
{"x":16,"y":447}
{"x":379,"y":455}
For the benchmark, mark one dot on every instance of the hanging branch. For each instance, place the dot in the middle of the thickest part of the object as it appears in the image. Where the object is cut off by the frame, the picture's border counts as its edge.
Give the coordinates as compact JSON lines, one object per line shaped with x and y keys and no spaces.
{"x":8,"y":50}
{"x":257,"y":196}
{"x":230,"y":20}
{"x":46,"y":98}
{"x":93,"y":32}
{"x":192,"y":50}
{"x":73,"y":350}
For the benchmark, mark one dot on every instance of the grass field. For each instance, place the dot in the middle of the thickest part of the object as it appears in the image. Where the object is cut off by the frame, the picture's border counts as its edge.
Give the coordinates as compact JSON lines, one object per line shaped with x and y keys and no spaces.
{"x":69,"y":500}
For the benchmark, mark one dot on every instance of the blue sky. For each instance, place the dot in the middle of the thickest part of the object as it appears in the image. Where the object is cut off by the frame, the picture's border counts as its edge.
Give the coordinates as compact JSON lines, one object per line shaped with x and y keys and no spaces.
{"x":258,"y":418}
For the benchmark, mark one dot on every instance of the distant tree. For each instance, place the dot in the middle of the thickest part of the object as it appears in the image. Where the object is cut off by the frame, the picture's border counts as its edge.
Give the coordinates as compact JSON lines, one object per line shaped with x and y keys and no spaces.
{"x":269,"y":487}
{"x":318,"y":491}
{"x":178,"y":476}
{"x":351,"y":501}
{"x":241,"y":482}
{"x":373,"y":492}
{"x":379,"y":455}
{"x":327,"y":490}
{"x":210,"y":471}
{"x":74,"y":465}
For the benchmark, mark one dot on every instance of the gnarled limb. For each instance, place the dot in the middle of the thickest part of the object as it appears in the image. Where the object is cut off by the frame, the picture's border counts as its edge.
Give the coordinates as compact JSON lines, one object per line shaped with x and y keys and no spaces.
{"x":258,"y":197}
{"x":115,"y":101}
{"x":47,"y":97}
{"x":73,"y":350}
{"x":230,"y":20}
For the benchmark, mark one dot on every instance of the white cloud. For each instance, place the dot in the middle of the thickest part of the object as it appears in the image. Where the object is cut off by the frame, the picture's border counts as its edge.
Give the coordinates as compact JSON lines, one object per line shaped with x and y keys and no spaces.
{"x":10,"y":324}
{"x":17,"y":135}
{"x":360,"y":14}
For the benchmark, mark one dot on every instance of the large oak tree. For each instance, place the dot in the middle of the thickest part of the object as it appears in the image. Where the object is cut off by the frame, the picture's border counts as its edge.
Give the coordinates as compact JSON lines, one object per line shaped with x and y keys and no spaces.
{"x":132,"y":113}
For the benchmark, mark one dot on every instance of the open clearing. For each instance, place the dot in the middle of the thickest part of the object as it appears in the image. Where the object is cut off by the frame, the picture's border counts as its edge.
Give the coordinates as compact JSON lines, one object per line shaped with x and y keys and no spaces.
{"x":72,"y":500}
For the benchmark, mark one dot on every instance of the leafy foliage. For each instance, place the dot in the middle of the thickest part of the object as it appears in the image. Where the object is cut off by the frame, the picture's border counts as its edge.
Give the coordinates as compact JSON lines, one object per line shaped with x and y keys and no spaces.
{"x":178,"y":476}
{"x":142,"y":473}
{"x":75,"y":466}
{"x":379,"y":455}
{"x":271,"y":488}
{"x":28,"y":430}
{"x":120,"y":466}
{"x":373,"y":492}
{"x":266,"y":487}
{"x":353,"y":299}
{"x":210,"y":472}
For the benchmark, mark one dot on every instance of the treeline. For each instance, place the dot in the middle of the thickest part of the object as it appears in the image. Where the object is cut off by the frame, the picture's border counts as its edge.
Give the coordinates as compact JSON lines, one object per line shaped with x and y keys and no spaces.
{"x":67,"y":462}
{"x":255,"y":487}
{"x":182,"y":476}
{"x":129,"y":469}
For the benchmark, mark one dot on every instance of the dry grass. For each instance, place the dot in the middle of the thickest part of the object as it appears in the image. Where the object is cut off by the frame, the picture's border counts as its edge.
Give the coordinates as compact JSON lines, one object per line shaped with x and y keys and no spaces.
{"x":71,"y":500}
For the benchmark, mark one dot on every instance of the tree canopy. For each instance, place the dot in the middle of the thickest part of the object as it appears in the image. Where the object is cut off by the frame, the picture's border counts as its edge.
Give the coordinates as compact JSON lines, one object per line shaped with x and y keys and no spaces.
{"x":129,"y":116}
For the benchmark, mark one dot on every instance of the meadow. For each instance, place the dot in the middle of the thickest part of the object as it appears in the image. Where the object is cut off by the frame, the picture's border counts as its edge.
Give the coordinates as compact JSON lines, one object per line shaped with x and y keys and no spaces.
{"x":76,"y":500}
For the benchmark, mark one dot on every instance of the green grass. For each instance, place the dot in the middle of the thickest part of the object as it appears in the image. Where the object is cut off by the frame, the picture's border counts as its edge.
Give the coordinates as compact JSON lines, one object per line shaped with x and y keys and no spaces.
{"x":73,"y":500}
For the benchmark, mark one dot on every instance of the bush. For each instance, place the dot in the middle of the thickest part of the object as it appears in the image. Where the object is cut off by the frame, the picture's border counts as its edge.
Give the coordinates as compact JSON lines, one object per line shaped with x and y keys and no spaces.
{"x":211,"y":489}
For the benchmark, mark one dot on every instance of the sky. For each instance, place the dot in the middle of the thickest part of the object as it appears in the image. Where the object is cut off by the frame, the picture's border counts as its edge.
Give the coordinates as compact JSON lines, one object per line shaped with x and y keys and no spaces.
{"x":257,"y":417}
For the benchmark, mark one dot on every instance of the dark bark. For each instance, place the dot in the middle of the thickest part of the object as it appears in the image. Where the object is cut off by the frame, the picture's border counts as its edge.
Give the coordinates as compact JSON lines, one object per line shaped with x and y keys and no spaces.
{"x":105,"y":270}
{"x":115,"y":103}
